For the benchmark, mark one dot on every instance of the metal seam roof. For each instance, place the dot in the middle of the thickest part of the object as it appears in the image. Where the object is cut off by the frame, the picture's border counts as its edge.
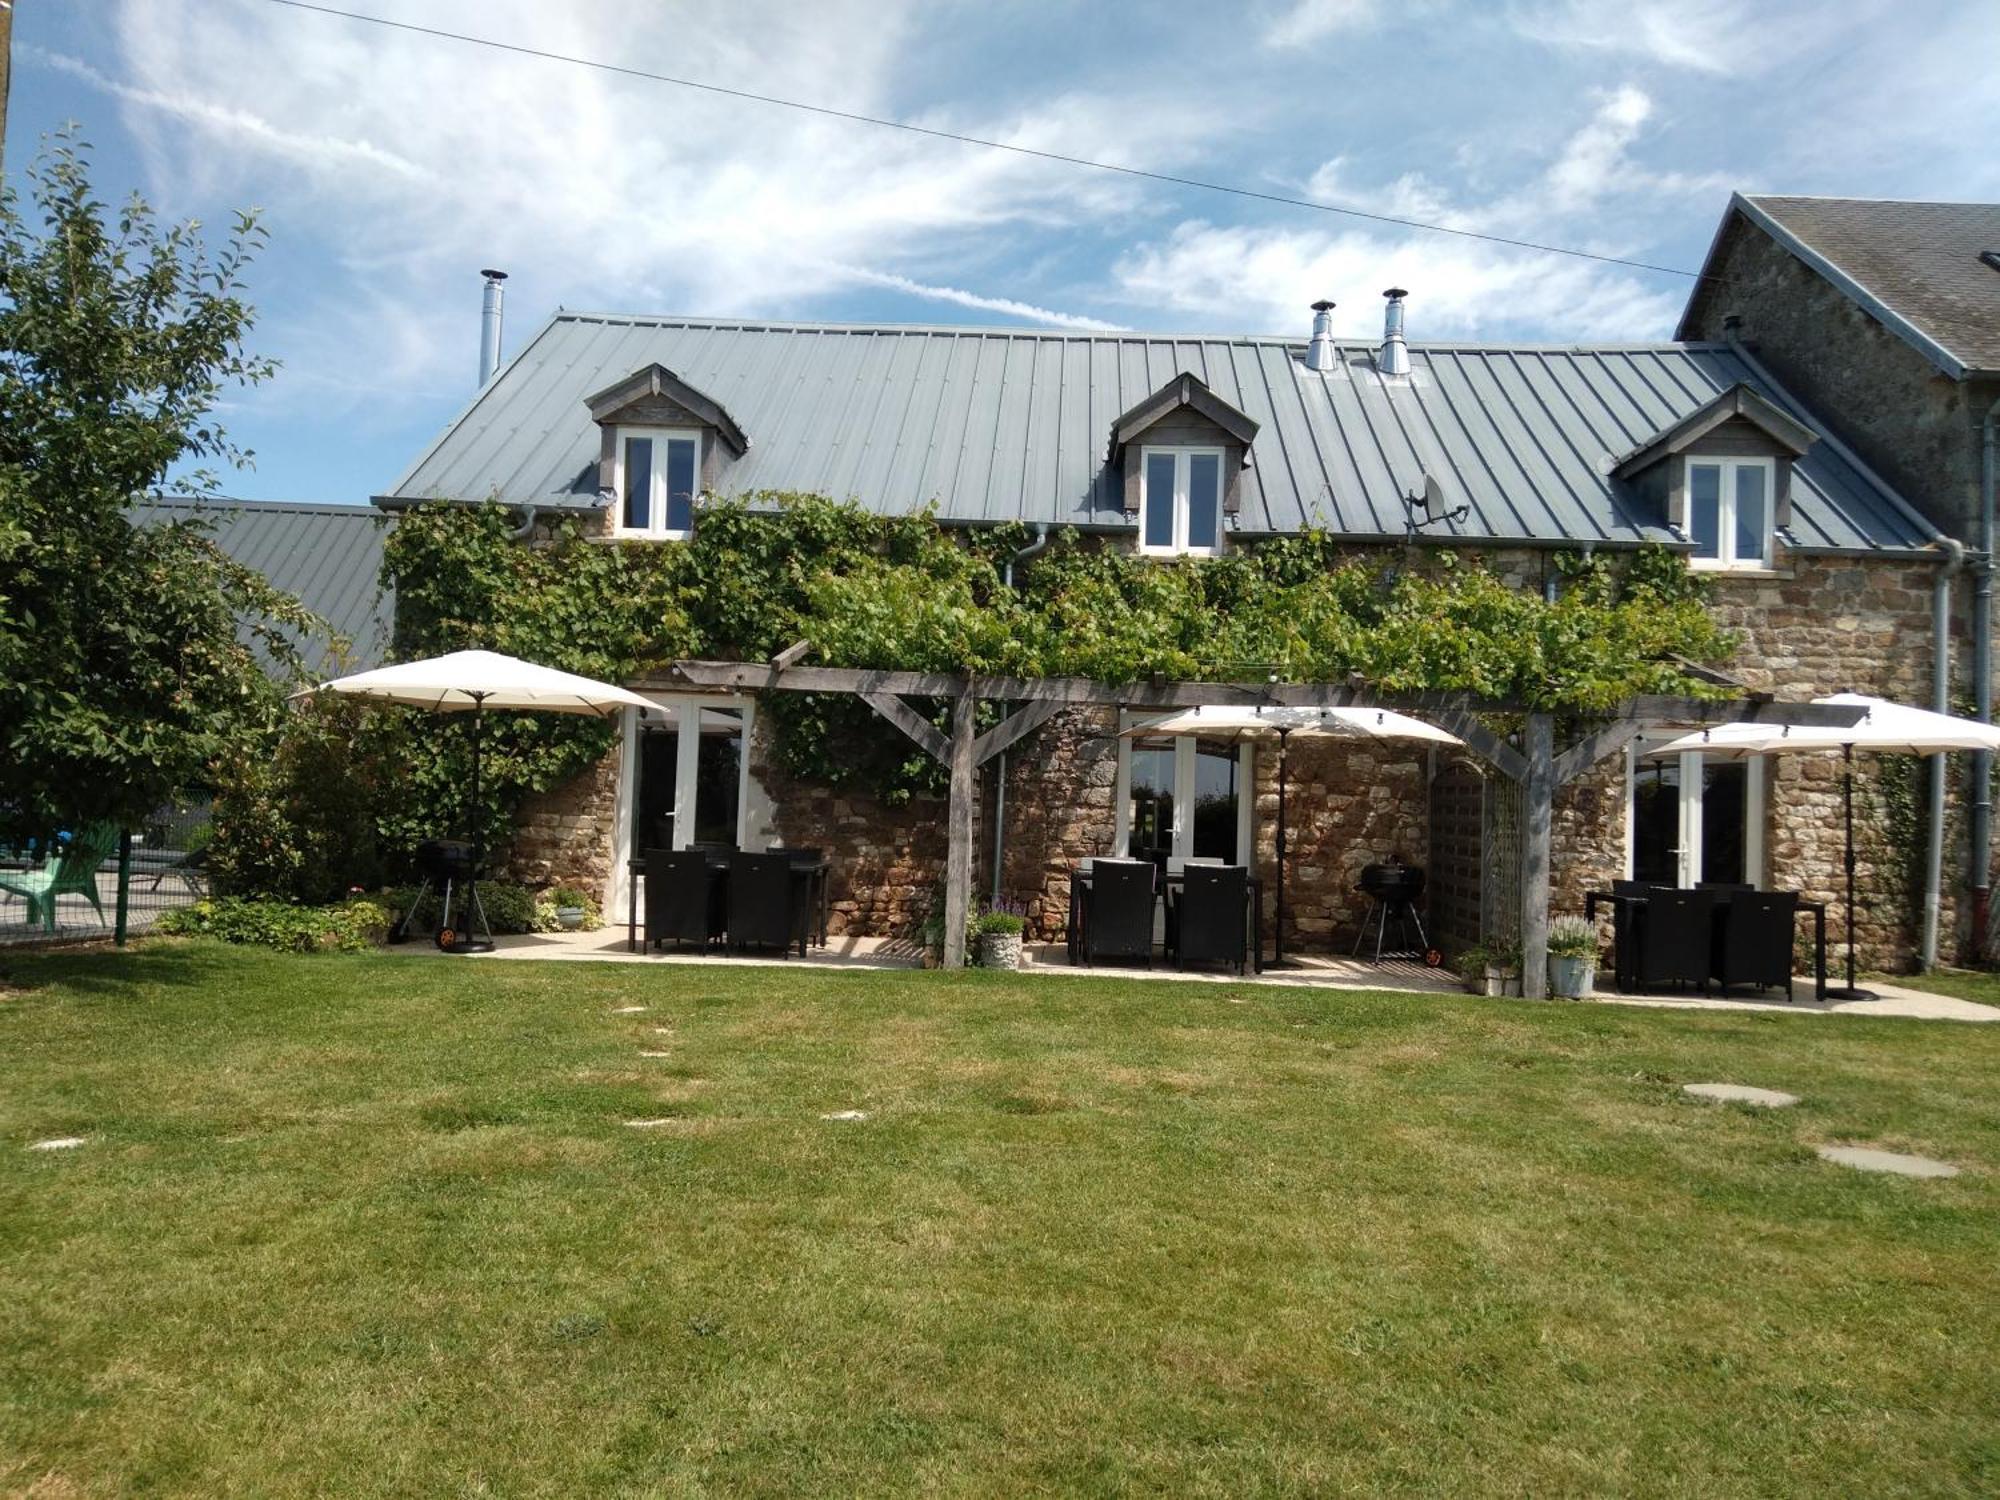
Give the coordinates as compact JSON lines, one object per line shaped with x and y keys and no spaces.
{"x":327,"y":556}
{"x":1002,"y":424}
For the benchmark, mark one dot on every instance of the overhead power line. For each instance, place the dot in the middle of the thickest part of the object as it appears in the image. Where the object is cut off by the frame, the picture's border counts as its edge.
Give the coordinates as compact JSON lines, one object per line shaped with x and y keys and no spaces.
{"x":1169,"y":178}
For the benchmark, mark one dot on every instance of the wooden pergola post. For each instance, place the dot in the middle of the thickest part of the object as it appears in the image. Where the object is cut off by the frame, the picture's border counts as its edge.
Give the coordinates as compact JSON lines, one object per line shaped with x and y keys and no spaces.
{"x":958,"y":820}
{"x":1537,"y":803}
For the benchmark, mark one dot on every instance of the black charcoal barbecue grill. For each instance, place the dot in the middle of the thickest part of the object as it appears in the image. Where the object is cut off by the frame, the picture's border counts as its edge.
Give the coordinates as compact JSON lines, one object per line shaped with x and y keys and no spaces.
{"x":1394,"y":889}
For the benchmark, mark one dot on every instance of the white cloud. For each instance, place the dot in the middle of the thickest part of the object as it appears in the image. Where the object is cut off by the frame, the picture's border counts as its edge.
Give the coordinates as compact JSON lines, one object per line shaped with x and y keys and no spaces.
{"x":962,"y":298}
{"x":1307,"y":21}
{"x":1702,"y":36}
{"x":598,"y":190}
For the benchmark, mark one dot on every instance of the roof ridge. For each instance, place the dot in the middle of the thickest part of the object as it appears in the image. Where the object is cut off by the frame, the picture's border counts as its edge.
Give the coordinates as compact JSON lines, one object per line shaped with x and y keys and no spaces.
{"x":1131,"y":335}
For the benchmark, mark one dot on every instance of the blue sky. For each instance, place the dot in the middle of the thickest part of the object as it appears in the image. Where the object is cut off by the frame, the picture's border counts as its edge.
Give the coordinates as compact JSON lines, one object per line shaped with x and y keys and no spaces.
{"x":391,"y":167}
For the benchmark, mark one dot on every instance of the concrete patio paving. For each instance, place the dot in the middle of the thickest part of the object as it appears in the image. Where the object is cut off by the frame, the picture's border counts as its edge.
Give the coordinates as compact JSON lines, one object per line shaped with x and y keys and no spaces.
{"x":609,"y":944}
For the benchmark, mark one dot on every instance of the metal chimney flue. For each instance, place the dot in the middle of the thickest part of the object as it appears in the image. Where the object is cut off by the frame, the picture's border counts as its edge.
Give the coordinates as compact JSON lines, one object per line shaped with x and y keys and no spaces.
{"x":1394,"y":358}
{"x":489,"y":324}
{"x":1320,"y":352}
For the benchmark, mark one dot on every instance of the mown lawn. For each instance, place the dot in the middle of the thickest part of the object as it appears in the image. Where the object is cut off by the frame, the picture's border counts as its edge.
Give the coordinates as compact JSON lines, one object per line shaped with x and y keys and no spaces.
{"x":375,"y":1226}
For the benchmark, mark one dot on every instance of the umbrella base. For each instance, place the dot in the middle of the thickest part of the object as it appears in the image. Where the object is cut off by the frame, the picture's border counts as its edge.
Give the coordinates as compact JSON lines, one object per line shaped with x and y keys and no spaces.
{"x":1850,"y":992}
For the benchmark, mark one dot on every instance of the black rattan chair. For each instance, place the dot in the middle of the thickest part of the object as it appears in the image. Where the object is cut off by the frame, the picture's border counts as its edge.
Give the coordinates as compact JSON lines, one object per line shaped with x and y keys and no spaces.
{"x":1209,"y":924}
{"x":1676,"y":938}
{"x":762,"y":910}
{"x":1118,"y":916}
{"x":683,"y":899}
{"x":1753,"y":941}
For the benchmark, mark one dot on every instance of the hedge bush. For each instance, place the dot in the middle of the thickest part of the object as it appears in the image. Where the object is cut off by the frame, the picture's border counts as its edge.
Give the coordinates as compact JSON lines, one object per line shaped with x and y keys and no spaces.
{"x":348,"y":927}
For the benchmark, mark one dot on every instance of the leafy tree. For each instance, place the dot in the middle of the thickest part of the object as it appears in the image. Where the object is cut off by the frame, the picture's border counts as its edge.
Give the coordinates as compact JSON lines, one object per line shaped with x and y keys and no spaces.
{"x":122,"y":674}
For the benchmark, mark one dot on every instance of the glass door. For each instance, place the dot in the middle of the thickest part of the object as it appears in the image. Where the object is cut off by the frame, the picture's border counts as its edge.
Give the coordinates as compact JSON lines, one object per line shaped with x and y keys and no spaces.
{"x":1150,"y":805}
{"x":1183,"y":798}
{"x":1696,"y":819}
{"x":683,"y":781}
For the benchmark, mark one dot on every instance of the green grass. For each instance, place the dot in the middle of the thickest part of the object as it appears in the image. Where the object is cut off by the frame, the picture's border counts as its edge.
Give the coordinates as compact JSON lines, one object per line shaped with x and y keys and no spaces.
{"x":374,"y":1226}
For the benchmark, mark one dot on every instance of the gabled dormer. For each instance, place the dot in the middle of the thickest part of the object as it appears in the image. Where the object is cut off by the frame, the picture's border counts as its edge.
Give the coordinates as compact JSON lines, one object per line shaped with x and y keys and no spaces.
{"x":664,"y":444}
{"x":1722,"y":477}
{"x":1181,"y":454}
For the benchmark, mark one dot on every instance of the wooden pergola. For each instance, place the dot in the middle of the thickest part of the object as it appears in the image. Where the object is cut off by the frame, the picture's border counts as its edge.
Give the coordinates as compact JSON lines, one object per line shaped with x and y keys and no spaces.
{"x":1535,"y":763}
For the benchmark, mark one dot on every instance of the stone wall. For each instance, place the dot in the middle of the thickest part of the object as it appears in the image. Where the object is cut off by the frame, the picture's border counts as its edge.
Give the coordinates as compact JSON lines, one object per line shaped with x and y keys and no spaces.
{"x":1816,"y":626}
{"x":1917,"y":428}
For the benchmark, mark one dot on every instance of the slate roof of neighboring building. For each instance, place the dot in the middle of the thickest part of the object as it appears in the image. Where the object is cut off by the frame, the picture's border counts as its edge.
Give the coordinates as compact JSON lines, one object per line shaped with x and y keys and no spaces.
{"x":1915,"y":266}
{"x":1004,"y":424}
{"x":328,"y":556}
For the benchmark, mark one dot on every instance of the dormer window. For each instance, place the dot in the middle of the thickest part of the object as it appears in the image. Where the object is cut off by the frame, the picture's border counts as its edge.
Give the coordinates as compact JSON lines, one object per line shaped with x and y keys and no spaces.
{"x":1180,"y":501}
{"x":657,"y":480}
{"x":1729,"y":511}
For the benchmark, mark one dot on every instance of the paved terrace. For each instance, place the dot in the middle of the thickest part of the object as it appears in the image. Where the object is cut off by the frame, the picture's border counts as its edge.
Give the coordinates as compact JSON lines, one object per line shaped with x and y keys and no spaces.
{"x":609,"y":945}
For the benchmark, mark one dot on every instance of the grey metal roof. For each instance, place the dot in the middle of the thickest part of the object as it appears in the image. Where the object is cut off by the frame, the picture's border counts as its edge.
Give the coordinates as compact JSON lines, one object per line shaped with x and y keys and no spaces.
{"x":1002,"y":424}
{"x":328,"y":556}
{"x":1915,"y":267}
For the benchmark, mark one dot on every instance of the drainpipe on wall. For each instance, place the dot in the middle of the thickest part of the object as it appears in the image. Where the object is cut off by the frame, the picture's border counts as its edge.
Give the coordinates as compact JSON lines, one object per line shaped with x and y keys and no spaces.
{"x":1954,"y":559}
{"x":1000,"y":784}
{"x":1982,"y":684}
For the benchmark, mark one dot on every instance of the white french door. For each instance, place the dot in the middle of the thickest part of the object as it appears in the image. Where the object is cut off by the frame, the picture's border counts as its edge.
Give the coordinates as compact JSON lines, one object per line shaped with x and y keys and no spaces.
{"x":684,"y":779}
{"x":1693,"y":819}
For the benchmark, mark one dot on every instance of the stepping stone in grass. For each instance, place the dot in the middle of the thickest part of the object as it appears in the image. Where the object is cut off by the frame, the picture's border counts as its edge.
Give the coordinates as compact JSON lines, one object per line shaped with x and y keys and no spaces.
{"x":651,"y":1124}
{"x":847,"y":1114}
{"x":656,"y":1054}
{"x":57,"y":1143}
{"x":628,"y":1010}
{"x":1738,"y":1093}
{"x":1868,"y":1159}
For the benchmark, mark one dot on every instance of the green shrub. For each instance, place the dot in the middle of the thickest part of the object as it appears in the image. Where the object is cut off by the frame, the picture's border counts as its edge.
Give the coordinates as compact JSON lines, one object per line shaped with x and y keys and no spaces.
{"x":1001,"y":922}
{"x":550,"y":902}
{"x":349,"y":927}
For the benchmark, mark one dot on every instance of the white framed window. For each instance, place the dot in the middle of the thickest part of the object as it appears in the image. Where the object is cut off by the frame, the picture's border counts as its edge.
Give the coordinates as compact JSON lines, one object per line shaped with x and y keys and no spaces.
{"x":1180,"y":501}
{"x":1729,"y":509}
{"x":656,"y":479}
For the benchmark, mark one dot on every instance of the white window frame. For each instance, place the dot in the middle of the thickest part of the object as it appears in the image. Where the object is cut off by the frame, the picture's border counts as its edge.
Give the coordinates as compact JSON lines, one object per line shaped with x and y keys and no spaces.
{"x":656,"y":528}
{"x":687,"y":752}
{"x":1184,"y":781}
{"x":1183,"y":467}
{"x":1727,"y":560}
{"x":1688,"y":870}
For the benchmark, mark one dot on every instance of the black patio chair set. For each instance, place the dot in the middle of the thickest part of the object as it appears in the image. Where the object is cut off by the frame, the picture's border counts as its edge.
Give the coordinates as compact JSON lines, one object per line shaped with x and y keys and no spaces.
{"x":1210,"y":911}
{"x":720,"y":895}
{"x":1724,"y":935}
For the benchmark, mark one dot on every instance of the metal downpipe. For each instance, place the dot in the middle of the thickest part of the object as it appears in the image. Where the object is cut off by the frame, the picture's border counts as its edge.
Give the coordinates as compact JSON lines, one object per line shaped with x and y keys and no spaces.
{"x":1954,"y":559}
{"x":1982,"y":686}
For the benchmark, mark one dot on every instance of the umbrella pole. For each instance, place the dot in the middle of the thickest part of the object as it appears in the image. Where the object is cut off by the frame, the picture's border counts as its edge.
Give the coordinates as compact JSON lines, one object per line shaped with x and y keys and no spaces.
{"x":475,"y":935}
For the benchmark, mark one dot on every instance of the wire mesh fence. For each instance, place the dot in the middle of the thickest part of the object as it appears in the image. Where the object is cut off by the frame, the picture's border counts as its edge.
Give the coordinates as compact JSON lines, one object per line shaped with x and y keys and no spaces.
{"x":84,"y":883}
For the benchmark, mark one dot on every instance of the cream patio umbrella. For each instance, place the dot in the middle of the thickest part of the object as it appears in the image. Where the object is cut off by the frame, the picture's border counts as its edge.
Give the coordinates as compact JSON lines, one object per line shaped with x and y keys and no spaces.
{"x":472,"y":682}
{"x":1231,"y":724}
{"x":1885,"y":728}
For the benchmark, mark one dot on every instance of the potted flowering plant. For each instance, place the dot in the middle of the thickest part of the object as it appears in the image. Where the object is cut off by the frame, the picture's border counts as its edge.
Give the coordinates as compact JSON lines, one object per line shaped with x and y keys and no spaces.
{"x":1572,"y":957}
{"x":572,"y":907}
{"x":1000,"y":940}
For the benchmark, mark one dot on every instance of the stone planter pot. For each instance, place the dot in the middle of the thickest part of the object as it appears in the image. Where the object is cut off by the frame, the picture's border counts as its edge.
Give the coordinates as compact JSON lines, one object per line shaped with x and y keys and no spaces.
{"x":999,"y":950}
{"x":570,"y":917}
{"x":1495,"y":982}
{"x":1571,"y":978}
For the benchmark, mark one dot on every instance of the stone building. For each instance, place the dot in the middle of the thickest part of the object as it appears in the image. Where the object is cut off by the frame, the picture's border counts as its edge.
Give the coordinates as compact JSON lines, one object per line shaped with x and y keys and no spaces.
{"x":1197,"y":445}
{"x":1884,"y":318}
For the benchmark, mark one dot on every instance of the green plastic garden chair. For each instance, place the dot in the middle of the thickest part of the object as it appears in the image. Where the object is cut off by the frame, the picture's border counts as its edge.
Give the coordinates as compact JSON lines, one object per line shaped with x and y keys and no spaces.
{"x":73,"y":872}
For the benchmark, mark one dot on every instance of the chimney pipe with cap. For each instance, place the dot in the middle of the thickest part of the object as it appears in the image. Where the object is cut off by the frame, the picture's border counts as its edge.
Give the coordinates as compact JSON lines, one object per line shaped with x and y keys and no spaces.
{"x":1319,"y":353}
{"x":489,"y":324}
{"x":1394,"y":358}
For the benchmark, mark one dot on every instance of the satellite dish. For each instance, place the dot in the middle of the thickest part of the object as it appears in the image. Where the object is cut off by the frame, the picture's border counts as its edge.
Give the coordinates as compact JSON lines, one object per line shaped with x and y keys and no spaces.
{"x":1428,"y":498}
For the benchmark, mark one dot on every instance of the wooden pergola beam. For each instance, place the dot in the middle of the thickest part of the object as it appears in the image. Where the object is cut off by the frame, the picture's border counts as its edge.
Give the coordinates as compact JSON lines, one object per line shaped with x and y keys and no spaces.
{"x":1594,"y":746}
{"x":1017,"y":726}
{"x":958,"y":852}
{"x":912,"y":723}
